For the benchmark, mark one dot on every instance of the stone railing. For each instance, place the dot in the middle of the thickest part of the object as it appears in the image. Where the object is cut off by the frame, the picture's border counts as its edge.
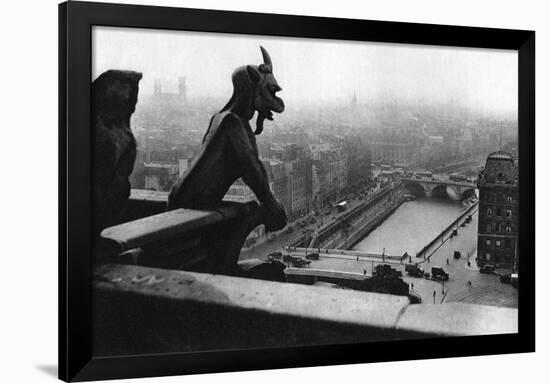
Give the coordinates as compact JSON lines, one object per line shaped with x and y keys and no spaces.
{"x":178,"y":239}
{"x":140,"y":288}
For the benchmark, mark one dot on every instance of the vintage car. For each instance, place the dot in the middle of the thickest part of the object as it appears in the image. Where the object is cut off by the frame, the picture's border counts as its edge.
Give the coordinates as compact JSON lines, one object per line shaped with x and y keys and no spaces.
{"x":313,"y":256}
{"x":385,"y":270}
{"x":439,"y":274}
{"x":414,"y":271}
{"x":300,"y":262}
{"x":506,"y":278}
{"x":275,"y":256}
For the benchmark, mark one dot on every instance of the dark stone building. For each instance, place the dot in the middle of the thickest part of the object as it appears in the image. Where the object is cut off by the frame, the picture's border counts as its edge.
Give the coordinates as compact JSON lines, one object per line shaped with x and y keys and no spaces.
{"x":498,"y":212}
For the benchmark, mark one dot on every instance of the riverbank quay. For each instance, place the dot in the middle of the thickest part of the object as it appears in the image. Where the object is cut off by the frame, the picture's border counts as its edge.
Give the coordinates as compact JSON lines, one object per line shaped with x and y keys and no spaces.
{"x":450,"y":231}
{"x":343,"y":232}
{"x":298,"y":238}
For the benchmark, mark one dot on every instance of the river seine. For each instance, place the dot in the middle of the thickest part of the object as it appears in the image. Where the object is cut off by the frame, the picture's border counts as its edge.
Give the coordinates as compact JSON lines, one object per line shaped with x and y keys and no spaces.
{"x":411,"y":226}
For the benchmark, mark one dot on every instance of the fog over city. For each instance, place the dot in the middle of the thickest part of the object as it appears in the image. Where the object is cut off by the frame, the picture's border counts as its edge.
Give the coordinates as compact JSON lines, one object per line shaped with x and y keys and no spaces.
{"x":316,"y":72}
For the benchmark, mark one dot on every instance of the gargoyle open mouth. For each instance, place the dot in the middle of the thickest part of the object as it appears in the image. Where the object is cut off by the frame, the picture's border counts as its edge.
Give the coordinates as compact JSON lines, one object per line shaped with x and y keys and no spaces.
{"x":267,"y":114}
{"x":276,"y":105}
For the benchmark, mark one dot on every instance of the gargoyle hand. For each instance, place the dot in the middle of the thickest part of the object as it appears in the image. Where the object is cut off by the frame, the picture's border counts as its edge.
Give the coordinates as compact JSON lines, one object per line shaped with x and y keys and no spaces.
{"x":275,"y":216}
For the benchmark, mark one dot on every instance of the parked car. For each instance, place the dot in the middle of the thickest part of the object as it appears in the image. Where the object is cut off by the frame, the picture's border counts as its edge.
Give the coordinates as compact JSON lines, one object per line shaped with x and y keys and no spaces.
{"x":439,"y":274}
{"x":300,"y":262}
{"x":292,"y":258}
{"x":506,"y":278}
{"x":414,"y":271}
{"x":386,"y":270}
{"x":274,"y":256}
{"x":487,"y":269}
{"x":313,"y":256}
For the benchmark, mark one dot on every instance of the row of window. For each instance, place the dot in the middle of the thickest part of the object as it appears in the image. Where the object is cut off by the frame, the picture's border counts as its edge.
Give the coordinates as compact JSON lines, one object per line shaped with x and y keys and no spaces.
{"x":499,"y":212}
{"x":499,"y":243}
{"x":500,"y":228}
{"x":498,"y":197}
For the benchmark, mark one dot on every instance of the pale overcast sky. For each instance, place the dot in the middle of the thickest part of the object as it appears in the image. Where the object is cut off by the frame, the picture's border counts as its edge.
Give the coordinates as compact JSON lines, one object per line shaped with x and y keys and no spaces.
{"x":311,"y":70}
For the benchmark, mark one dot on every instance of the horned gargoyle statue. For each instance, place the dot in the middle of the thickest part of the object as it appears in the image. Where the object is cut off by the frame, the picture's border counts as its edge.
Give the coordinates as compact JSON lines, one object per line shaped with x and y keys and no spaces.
{"x":229,"y":152}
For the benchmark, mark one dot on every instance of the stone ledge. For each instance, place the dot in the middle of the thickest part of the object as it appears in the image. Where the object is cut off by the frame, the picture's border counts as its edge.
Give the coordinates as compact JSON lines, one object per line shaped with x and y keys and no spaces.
{"x":175,"y":310}
{"x":320,"y":303}
{"x":458,"y":319}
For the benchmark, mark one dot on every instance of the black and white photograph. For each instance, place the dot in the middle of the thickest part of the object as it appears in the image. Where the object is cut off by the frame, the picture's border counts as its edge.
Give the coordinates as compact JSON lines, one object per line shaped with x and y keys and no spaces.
{"x":275,"y":191}
{"x":258,"y":192}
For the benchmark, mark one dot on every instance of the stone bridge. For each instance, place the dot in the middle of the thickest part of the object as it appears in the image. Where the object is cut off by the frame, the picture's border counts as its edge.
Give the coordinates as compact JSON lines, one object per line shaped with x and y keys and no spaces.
{"x":439,"y":187}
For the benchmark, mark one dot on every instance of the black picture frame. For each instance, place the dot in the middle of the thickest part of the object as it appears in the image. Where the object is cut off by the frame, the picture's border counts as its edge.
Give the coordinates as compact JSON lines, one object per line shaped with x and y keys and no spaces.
{"x":76,"y":362}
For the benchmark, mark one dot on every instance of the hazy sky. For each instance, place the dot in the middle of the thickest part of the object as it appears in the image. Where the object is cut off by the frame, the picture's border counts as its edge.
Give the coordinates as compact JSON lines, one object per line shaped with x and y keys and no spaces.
{"x":312,"y":70}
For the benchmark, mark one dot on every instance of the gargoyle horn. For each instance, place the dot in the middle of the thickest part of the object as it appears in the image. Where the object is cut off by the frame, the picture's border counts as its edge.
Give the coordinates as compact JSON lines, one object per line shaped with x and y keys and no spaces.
{"x":267,"y":59}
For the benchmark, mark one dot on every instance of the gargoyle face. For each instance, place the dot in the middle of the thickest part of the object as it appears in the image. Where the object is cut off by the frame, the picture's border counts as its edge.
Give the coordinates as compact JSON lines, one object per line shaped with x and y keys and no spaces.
{"x":266,"y":86}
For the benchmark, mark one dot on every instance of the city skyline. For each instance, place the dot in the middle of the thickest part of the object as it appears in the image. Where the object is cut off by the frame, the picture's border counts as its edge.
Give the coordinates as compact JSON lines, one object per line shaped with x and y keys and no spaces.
{"x":316,"y":71}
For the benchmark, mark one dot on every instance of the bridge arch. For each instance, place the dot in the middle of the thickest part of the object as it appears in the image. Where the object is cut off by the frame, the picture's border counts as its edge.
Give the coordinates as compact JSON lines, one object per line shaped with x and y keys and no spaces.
{"x":440,"y":191}
{"x":415,"y":188}
{"x":446,"y":191}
